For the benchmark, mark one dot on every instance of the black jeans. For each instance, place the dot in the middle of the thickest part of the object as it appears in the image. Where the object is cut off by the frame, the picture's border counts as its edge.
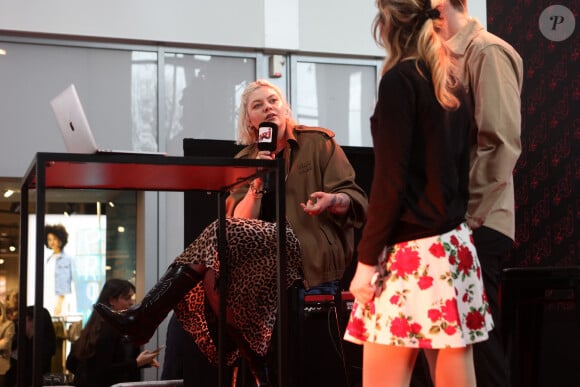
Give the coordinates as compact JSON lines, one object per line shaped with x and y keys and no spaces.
{"x":489,"y":357}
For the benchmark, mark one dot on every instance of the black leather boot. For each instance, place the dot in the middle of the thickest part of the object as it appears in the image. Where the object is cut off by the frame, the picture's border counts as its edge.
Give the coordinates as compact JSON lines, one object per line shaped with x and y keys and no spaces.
{"x":256,"y":363}
{"x":140,"y":321}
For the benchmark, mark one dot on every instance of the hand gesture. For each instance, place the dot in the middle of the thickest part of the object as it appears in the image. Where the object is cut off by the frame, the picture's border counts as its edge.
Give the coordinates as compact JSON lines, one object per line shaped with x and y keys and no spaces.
{"x":148,"y":358}
{"x":319,"y":201}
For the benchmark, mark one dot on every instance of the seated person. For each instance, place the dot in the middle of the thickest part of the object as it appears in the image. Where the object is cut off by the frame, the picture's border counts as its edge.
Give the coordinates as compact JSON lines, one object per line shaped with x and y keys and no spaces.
{"x":102,"y":356}
{"x":323,"y":205}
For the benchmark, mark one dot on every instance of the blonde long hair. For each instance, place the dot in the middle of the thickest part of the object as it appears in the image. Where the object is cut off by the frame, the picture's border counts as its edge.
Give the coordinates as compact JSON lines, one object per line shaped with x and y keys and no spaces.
{"x":409,"y":29}
{"x":247,"y":134}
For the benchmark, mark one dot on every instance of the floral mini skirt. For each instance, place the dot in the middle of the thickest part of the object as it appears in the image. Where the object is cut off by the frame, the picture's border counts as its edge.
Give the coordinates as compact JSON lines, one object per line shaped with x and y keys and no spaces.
{"x":429,"y":295}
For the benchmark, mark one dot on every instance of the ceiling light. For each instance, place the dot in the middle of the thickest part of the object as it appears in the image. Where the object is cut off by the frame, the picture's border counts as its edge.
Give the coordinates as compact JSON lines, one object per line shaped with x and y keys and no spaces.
{"x":12,"y":248}
{"x":202,"y":58}
{"x":2,"y":51}
{"x":8,"y":193}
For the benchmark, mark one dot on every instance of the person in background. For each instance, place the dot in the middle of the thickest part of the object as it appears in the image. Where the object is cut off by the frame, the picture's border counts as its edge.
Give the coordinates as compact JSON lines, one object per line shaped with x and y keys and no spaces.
{"x":11,"y":304}
{"x":101,"y":356}
{"x":7,"y":332}
{"x":492,"y":72}
{"x":59,"y":270}
{"x":417,"y":284}
{"x":323,"y":205}
{"x":48,"y":350}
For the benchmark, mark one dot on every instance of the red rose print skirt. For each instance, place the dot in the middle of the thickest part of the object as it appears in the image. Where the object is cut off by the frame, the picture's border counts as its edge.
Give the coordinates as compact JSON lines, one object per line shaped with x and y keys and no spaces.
{"x":431,"y":296}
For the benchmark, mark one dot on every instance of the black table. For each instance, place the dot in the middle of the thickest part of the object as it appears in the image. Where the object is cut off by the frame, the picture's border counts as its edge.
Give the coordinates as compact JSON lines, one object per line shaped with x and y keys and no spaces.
{"x":141,"y":172}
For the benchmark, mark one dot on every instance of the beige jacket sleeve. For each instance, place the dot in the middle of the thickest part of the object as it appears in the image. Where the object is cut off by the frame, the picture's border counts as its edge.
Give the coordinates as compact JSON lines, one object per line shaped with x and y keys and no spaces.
{"x":496,"y":88}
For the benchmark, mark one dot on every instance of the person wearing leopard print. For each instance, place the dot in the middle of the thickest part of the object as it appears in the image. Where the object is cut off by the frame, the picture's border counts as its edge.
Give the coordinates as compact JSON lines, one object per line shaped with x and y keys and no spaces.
{"x":323,"y":206}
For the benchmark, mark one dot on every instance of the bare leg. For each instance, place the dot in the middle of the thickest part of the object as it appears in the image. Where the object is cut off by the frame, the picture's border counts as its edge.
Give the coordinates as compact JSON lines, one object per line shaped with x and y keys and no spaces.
{"x":452,"y":367}
{"x":59,"y":304}
{"x":387,"y":365}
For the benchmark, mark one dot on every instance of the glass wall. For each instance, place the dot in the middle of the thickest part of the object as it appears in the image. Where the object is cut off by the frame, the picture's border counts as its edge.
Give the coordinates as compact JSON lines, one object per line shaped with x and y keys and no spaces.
{"x":338,"y":95}
{"x":202,"y":95}
{"x":149,"y":97}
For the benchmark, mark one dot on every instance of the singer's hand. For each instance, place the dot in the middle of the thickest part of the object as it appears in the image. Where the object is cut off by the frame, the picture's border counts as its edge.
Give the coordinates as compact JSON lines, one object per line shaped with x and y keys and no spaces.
{"x":261,"y":184}
{"x":320,"y":201}
{"x":265,"y":155}
{"x":317,"y":202}
{"x":257,"y":184}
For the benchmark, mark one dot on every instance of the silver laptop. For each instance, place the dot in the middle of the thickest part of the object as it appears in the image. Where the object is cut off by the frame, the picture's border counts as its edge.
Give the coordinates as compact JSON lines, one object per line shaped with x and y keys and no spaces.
{"x":74,"y":126}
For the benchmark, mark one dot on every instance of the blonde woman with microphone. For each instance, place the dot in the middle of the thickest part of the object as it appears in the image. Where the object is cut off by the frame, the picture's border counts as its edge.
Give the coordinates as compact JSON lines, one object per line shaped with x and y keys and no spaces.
{"x":323,"y":205}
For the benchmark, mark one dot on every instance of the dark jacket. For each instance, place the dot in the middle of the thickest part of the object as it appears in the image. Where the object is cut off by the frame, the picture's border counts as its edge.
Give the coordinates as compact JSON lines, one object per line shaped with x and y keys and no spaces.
{"x":48,"y":346}
{"x":114,"y":361}
{"x":315,"y":162}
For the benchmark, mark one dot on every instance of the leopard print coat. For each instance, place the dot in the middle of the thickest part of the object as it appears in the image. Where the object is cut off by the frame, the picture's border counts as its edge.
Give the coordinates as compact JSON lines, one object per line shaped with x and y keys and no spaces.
{"x":251,"y":299}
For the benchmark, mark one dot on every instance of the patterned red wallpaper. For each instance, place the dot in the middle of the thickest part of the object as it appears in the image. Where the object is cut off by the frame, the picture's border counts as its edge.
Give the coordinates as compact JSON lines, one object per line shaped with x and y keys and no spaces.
{"x":547,"y":174}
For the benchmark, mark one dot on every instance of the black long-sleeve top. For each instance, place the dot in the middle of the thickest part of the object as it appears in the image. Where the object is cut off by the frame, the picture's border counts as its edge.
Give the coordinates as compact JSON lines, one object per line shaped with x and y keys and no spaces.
{"x":420,"y":181}
{"x":115,"y":361}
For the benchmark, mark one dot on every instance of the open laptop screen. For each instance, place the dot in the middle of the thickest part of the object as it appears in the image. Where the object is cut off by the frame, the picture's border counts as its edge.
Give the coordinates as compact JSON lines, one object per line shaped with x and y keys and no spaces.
{"x":74,"y":126}
{"x":72,"y":122}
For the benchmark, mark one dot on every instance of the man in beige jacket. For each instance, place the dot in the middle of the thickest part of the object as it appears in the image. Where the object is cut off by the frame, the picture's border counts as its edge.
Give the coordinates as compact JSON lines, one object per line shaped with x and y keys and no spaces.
{"x":492,"y":72}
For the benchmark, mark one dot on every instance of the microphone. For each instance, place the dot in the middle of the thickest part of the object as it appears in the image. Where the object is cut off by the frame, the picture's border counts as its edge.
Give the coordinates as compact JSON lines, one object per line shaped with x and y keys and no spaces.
{"x":267,"y":136}
{"x":267,"y":141}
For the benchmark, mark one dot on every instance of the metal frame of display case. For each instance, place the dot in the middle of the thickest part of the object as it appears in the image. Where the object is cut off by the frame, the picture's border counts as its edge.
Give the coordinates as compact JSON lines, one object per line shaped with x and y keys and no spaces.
{"x":143,"y":172}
